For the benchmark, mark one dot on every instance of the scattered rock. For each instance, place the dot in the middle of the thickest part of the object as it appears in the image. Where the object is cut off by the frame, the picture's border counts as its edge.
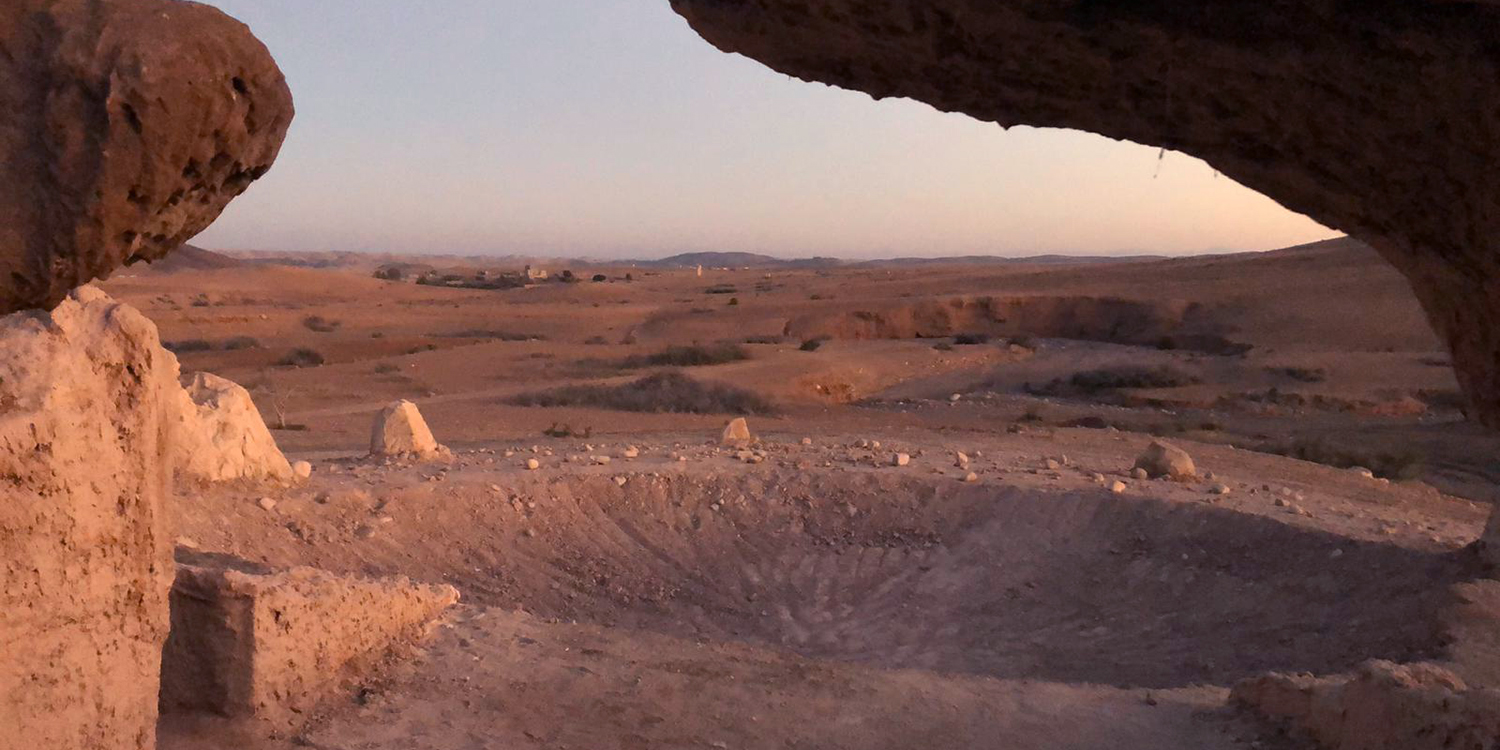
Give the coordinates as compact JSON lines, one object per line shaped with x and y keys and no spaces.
{"x":971,"y":477}
{"x":1362,"y":471}
{"x":1118,"y":487}
{"x":1165,"y":460}
{"x":1220,"y":489}
{"x":1139,"y":474}
{"x":900,"y":459}
{"x":533,"y":464}
{"x":266,"y":503}
{"x":302,"y":470}
{"x":961,"y":460}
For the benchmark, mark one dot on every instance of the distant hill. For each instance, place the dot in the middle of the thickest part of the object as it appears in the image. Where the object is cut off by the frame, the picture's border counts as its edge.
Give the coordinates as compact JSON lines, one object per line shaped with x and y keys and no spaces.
{"x":194,"y":258}
{"x":736,"y":260}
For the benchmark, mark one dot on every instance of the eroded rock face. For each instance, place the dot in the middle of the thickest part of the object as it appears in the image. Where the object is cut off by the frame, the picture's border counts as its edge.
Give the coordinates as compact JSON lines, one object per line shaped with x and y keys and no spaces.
{"x":129,"y":125}
{"x":85,"y":558}
{"x":1376,"y":118}
{"x":222,"y":436}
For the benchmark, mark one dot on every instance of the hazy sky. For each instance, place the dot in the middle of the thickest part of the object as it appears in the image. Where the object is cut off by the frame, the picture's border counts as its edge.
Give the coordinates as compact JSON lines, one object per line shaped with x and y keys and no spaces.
{"x":608,"y":128}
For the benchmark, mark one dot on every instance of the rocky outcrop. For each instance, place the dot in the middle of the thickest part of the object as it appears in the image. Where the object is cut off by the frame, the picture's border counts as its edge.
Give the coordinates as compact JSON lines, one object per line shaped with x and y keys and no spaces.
{"x":251,"y":642}
{"x":222,"y":436}
{"x":1384,"y":706}
{"x":129,"y":125}
{"x":401,"y":432}
{"x":85,"y":405}
{"x":1370,"y":117}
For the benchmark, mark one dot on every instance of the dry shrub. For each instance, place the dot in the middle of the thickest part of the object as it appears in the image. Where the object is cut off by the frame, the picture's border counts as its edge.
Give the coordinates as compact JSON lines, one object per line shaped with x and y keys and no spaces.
{"x":665,"y":392}
{"x":302,"y":357}
{"x":241,"y":342}
{"x":187,"y":345}
{"x":320,"y":324}
{"x":1130,"y":376}
{"x":688,"y":356}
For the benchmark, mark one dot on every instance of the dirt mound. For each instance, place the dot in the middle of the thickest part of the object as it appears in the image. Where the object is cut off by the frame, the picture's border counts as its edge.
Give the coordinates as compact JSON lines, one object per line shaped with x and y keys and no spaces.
{"x":1174,"y":325}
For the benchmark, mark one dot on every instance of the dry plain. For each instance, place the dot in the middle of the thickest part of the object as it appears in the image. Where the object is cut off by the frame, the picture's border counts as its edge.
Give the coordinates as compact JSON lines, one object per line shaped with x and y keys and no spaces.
{"x":647,"y":587}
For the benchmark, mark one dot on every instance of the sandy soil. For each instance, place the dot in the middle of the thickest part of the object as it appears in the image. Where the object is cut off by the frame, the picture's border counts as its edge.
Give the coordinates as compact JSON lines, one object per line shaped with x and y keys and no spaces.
{"x":820,"y":596}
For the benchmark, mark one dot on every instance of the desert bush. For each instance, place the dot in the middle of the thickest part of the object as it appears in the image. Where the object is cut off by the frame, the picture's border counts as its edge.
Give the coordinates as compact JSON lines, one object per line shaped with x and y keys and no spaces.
{"x":1130,"y":376}
{"x":320,"y":324}
{"x":493,"y":335}
{"x":688,"y":356}
{"x":1024,"y":341}
{"x":302,"y":357}
{"x":1301,"y":374}
{"x":812,"y":345}
{"x":238,"y":343}
{"x":722,"y":289}
{"x":668,"y":392}
{"x":943,"y":346}
{"x":600,"y":278}
{"x":387,"y":368}
{"x":971,"y":339}
{"x":763,"y":340}
{"x":567,"y":431}
{"x":187,"y":345}
{"x":734,"y":301}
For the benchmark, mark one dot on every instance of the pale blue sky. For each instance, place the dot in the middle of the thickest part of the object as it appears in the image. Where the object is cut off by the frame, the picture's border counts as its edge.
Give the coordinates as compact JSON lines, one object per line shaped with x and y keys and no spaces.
{"x":608,"y":128}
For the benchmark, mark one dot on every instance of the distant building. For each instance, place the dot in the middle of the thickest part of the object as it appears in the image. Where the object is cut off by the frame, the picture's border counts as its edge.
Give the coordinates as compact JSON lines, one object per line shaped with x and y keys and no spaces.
{"x":535,"y":274}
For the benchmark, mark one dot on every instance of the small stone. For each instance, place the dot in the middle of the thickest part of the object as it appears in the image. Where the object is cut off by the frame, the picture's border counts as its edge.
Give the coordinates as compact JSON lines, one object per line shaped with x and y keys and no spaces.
{"x":1362,"y":471}
{"x":1281,"y":502}
{"x":302,"y":470}
{"x":602,"y":460}
{"x":267,"y":503}
{"x":955,"y":398}
{"x":874,"y":445}
{"x":901,"y":459}
{"x":533,"y":464}
{"x":807,"y":441}
{"x":621,"y":481}
{"x":961,"y":460}
{"x":1139,"y":474}
{"x":631,"y":452}
{"x":1052,"y":465}
{"x":1118,"y":487}
{"x":1220,"y":489}
{"x":971,"y":478}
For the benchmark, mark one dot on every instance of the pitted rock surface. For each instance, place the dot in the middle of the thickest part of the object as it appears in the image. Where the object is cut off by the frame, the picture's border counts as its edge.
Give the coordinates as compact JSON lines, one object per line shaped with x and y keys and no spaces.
{"x":1377,"y":118}
{"x":129,"y":125}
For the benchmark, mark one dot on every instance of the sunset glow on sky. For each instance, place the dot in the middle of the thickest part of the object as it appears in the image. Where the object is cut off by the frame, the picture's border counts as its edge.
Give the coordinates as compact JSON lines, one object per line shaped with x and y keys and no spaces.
{"x":608,"y":128}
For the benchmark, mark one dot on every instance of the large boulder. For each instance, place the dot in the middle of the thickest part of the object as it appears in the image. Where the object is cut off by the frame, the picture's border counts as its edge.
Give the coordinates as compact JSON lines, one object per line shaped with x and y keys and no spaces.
{"x":129,"y":125}
{"x":401,"y":432}
{"x":86,"y":398}
{"x":1369,"y":117}
{"x":222,"y":435}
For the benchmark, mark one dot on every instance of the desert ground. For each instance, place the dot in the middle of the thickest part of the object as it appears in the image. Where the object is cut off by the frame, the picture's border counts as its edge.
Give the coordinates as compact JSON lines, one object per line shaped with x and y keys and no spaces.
{"x":849,"y":580}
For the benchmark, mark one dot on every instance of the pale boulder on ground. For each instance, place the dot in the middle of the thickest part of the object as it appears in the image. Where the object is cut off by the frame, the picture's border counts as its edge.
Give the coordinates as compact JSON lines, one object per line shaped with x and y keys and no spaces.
{"x":86,"y":399}
{"x":1164,"y":460}
{"x":250,"y":642}
{"x":400,"y":430}
{"x":737,"y":432}
{"x":222,"y":436}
